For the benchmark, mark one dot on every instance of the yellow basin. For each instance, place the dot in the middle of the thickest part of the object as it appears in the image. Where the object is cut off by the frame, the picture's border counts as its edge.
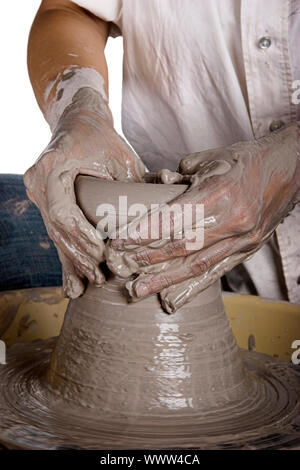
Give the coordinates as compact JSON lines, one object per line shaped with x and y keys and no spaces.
{"x":267,"y":326}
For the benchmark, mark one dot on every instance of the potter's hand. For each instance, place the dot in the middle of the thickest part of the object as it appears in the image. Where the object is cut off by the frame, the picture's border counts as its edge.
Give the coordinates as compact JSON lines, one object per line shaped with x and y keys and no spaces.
{"x":246,"y":190}
{"x":84,"y":141}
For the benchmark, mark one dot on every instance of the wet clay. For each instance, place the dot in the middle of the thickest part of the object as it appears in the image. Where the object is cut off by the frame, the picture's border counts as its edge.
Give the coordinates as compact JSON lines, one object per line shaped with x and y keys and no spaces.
{"x":237,"y":218}
{"x":129,"y":375}
{"x":84,"y":131}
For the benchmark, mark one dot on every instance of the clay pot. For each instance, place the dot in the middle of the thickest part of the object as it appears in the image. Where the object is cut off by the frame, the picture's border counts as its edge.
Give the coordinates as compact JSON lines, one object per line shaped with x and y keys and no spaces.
{"x":134,"y":358}
{"x":127,"y":375}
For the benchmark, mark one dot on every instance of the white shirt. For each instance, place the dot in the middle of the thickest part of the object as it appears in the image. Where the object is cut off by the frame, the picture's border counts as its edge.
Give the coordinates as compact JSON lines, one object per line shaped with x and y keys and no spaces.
{"x":201,"y":74}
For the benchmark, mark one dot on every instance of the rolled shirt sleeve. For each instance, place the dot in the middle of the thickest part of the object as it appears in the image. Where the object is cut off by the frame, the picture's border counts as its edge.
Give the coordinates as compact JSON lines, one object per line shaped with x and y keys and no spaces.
{"x":107,"y":10}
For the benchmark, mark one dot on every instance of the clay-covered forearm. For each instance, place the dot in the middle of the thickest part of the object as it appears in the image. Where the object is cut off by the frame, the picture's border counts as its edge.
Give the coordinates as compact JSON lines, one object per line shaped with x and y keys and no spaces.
{"x":68,"y":72}
{"x":65,"y":53}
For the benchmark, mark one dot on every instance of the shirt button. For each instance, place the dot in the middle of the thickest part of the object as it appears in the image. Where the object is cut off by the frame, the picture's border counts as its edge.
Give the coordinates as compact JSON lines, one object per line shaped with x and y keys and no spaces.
{"x":264,"y":42}
{"x":275,"y":125}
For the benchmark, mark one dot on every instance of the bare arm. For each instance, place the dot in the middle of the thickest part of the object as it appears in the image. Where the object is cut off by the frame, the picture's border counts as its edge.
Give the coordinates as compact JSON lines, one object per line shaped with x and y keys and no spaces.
{"x":68,"y":72}
{"x":63,"y":35}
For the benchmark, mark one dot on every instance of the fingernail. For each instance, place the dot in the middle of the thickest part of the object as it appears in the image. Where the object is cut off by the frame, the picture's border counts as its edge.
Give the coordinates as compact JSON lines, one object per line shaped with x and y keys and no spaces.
{"x":141,"y":289}
{"x":167,"y":305}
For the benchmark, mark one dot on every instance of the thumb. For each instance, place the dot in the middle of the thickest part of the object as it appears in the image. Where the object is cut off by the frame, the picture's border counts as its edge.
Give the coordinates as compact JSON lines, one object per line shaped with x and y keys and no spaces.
{"x":73,"y":283}
{"x":195,"y":161}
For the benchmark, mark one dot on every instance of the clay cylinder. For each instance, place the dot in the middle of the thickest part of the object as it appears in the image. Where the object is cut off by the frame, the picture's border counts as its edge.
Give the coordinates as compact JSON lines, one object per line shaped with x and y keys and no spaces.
{"x":134,"y":359}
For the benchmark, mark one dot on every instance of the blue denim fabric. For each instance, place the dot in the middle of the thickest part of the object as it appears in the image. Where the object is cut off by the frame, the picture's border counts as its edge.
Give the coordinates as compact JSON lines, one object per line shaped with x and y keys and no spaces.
{"x":28,"y":257}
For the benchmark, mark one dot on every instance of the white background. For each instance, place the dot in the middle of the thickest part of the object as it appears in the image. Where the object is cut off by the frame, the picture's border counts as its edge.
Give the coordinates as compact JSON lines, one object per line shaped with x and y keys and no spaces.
{"x":24,"y":132}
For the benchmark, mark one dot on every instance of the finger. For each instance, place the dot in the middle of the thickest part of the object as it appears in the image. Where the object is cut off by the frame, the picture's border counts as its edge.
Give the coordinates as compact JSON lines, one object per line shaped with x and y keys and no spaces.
{"x":194,"y":161}
{"x":82,"y":233}
{"x":84,"y":265}
{"x":189,"y":163}
{"x":184,"y":268}
{"x":65,"y":218}
{"x":150,"y":255}
{"x":62,"y":208}
{"x":73,"y":284}
{"x":174,"y":297}
{"x":169,"y":177}
{"x":209,"y":231}
{"x":208,"y":170}
{"x":123,"y":265}
{"x":150,"y":227}
{"x":183,"y":213}
{"x":124,"y":162}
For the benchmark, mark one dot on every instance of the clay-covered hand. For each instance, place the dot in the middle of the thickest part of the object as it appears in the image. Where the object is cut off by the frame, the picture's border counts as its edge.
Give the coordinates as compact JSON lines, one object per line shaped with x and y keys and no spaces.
{"x":246,"y":189}
{"x":84,"y":141}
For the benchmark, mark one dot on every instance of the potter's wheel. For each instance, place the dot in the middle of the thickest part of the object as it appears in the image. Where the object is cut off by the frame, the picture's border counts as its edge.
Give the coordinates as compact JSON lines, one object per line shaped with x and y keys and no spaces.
{"x":130,"y":376}
{"x":271,"y":423}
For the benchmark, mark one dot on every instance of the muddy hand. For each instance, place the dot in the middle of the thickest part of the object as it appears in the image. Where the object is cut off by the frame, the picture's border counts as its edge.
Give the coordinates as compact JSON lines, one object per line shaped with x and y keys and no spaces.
{"x":246,"y":191}
{"x":84,"y":141}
